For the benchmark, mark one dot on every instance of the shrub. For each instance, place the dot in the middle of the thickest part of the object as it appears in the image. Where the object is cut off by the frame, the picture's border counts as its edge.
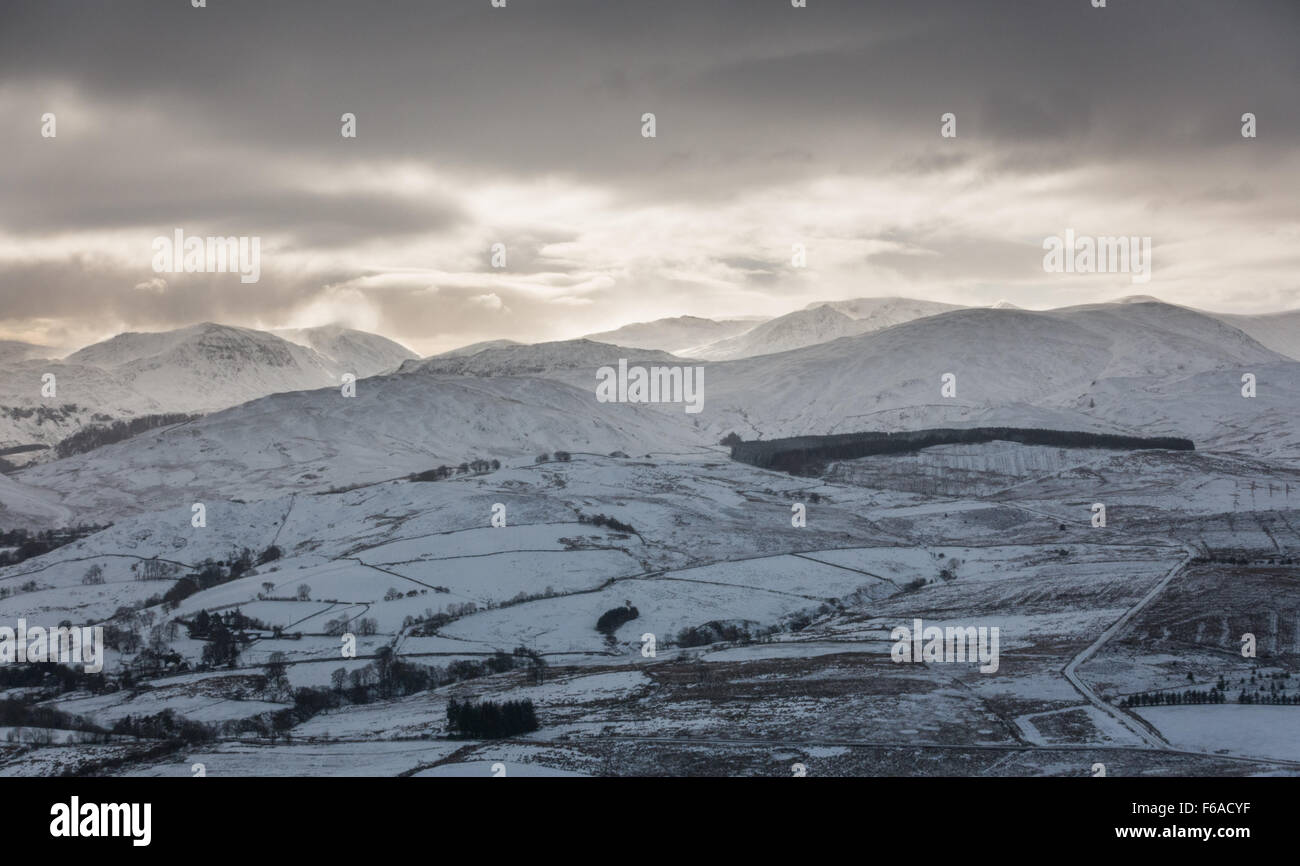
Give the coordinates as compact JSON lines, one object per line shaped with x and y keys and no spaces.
{"x":603,"y":520}
{"x":611,"y":619}
{"x":712,"y":632}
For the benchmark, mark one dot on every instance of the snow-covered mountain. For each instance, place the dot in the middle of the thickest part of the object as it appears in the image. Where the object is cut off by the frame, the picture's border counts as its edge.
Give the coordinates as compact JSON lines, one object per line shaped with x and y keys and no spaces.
{"x":538,"y":359}
{"x":886,"y":312}
{"x":357,"y":352}
{"x":1147,"y":368}
{"x":1139,"y":367}
{"x":475,"y":348}
{"x":199,"y":368}
{"x":208,"y":366}
{"x":818,"y":323}
{"x":791,"y":331}
{"x":674,"y":334}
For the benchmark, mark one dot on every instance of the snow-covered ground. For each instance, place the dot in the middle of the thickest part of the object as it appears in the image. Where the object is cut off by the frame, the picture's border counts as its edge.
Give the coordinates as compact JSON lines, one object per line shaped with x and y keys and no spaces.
{"x":770,"y":637}
{"x":1250,"y":730}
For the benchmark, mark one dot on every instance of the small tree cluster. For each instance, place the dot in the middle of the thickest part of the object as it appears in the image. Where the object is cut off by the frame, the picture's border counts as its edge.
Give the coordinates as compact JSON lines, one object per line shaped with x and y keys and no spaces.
{"x":438,"y":473}
{"x":491,"y":720}
{"x":612,"y":619}
{"x":605,"y":520}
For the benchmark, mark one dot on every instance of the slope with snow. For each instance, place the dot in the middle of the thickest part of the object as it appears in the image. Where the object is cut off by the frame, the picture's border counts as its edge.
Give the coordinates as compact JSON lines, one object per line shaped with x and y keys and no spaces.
{"x":539,"y":359}
{"x":475,"y":348}
{"x":1145,"y":368}
{"x":17,"y":350}
{"x":208,"y":366}
{"x":791,"y":331}
{"x":1141,"y":368}
{"x":712,"y":543}
{"x":314,"y":440}
{"x":1278,"y":331}
{"x":887,"y":312}
{"x":818,"y":323}
{"x":357,"y":352}
{"x":200,"y":368}
{"x":674,"y":334}
{"x":83,"y":394}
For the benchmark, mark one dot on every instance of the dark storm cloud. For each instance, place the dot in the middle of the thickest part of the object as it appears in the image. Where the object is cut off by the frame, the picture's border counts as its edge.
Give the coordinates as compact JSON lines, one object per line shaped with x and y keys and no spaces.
{"x":560,"y":86}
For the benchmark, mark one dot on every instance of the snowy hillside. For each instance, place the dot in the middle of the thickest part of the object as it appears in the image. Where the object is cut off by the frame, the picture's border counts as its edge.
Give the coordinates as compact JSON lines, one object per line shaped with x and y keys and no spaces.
{"x":791,"y":331}
{"x":16,"y":350}
{"x":83,"y":394}
{"x":208,"y":366}
{"x":674,"y":334}
{"x":1092,"y":367}
{"x":1144,"y":368}
{"x":537,"y":358}
{"x":195,"y":369}
{"x":475,"y":348}
{"x":706,"y":544}
{"x":1278,"y":331}
{"x":886,"y":312}
{"x":357,"y":352}
{"x":315,"y":440}
{"x":818,"y":323}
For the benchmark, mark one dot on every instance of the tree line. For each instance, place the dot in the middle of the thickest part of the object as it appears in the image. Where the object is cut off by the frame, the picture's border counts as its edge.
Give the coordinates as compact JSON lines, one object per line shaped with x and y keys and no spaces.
{"x":438,"y":473}
{"x":802,"y":455}
{"x":29,"y":544}
{"x":95,"y":436}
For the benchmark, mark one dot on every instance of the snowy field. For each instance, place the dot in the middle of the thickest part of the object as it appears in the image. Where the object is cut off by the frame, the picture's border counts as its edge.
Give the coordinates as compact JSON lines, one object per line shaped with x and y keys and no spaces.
{"x":710,"y":545}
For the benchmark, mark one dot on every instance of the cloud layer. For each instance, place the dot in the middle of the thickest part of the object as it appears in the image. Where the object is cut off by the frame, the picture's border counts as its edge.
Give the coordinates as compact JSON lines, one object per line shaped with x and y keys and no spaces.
{"x":521,"y":126}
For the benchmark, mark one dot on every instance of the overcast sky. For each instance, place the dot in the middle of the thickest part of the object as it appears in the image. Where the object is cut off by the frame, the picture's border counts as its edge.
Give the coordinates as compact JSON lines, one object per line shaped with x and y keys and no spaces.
{"x":775,"y":126}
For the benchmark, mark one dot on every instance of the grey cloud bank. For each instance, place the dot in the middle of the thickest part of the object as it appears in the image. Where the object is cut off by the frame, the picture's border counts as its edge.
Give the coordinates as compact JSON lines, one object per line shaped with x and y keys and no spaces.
{"x":521,"y":126}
